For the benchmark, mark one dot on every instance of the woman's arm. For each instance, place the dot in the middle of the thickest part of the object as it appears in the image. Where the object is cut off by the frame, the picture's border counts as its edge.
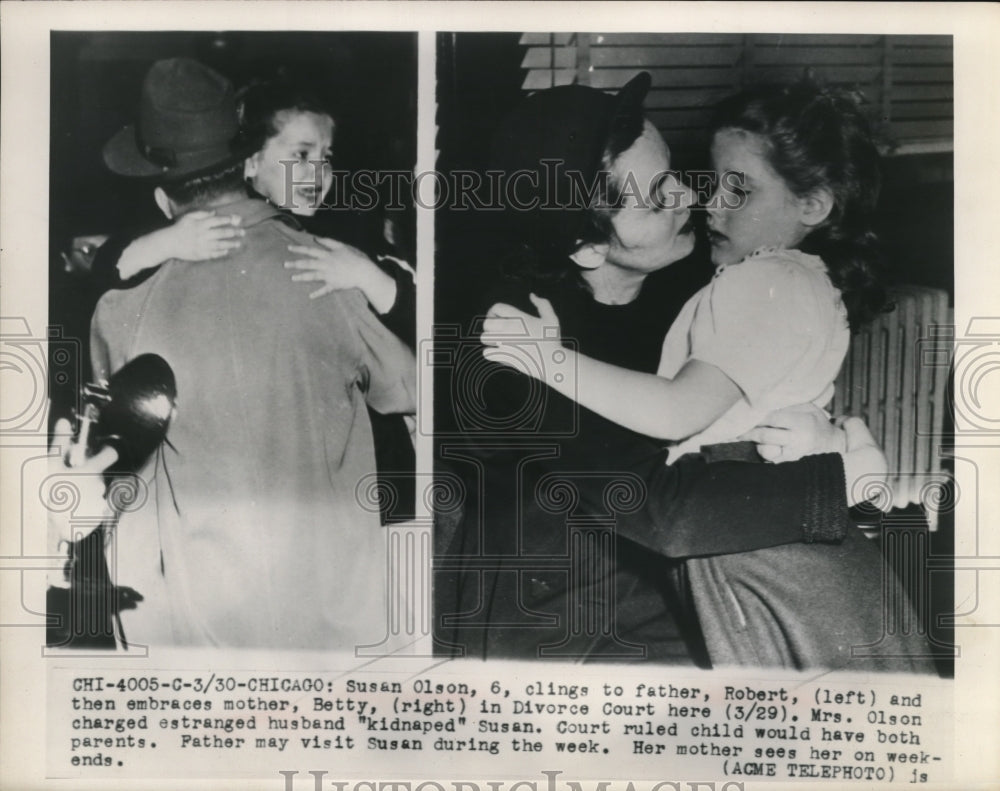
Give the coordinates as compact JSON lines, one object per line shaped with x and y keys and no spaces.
{"x":668,"y":409}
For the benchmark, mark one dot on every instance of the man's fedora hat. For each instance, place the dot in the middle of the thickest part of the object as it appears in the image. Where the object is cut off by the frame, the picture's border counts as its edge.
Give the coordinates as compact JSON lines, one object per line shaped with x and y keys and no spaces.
{"x":187,"y":124}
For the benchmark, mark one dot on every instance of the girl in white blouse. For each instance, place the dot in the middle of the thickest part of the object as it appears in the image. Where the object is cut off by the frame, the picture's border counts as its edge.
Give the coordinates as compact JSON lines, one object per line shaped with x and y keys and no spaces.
{"x":796,"y":268}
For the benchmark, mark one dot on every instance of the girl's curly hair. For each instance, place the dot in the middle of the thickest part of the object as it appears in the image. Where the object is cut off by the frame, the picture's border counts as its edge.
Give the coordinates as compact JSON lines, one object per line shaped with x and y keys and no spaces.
{"x":819,"y":138}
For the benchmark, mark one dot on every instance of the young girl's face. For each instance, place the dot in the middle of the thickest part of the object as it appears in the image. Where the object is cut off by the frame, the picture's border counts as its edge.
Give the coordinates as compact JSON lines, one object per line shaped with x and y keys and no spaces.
{"x":752,"y":206}
{"x":292,"y":170}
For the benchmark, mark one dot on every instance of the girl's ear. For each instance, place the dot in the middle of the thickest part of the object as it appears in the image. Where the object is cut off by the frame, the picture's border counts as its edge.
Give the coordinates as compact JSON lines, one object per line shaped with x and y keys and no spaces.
{"x":816,"y":207}
{"x":591,"y":255}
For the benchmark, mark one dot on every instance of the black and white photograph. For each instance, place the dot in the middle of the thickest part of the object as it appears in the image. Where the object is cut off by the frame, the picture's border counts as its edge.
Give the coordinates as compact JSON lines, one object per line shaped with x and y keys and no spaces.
{"x":498,"y":397}
{"x":697,"y":252}
{"x":245,"y":321}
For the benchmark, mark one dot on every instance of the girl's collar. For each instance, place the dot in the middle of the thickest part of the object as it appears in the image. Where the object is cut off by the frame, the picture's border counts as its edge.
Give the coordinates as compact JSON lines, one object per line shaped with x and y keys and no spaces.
{"x":719,"y":269}
{"x":804,"y":258}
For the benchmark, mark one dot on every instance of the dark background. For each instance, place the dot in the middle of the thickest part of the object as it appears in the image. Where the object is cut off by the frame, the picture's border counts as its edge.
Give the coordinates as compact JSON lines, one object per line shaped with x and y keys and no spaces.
{"x":368,"y":79}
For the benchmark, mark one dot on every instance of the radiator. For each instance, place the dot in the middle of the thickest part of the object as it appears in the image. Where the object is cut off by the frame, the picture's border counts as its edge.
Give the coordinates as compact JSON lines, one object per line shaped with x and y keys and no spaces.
{"x":895,"y":377}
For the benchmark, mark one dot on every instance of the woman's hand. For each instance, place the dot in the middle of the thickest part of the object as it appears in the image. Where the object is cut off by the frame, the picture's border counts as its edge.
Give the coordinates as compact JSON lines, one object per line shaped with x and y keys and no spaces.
{"x":531,"y":344}
{"x":340,"y":267}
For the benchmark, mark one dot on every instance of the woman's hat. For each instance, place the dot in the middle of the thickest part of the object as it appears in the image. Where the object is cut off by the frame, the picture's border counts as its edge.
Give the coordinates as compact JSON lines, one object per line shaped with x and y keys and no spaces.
{"x":554,"y":137}
{"x":187,"y":124}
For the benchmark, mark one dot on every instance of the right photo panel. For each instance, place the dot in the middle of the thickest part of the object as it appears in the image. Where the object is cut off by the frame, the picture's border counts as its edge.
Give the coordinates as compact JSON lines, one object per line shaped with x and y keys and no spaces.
{"x":693,"y":297}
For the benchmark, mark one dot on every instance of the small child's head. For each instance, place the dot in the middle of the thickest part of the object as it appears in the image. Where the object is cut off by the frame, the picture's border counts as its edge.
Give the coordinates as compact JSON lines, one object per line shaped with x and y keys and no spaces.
{"x":798,"y":168}
{"x":291,"y":133}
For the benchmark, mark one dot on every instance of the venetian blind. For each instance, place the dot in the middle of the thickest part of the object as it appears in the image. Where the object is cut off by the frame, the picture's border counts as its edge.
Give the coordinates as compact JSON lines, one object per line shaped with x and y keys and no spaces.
{"x":906,"y":81}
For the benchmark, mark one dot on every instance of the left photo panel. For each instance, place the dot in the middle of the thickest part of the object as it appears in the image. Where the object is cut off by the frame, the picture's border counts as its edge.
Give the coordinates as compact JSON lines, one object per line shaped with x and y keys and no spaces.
{"x":232,"y":312}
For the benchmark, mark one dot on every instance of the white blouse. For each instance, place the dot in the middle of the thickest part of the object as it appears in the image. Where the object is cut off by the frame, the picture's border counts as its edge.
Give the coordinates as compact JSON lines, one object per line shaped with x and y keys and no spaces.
{"x":775,"y":325}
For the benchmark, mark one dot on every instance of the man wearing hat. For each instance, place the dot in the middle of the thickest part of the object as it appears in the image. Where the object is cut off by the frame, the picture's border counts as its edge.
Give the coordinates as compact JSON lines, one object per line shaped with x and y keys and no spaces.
{"x":565,"y":551}
{"x":249,"y":532}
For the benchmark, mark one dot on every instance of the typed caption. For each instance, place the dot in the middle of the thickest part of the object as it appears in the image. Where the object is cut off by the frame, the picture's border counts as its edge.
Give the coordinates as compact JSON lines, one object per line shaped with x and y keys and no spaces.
{"x":116,"y":722}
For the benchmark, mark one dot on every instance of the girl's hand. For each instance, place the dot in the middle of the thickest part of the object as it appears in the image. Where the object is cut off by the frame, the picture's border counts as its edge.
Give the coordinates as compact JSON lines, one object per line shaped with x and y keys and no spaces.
{"x":341,"y":266}
{"x":531,"y":344}
{"x":198,"y":236}
{"x":204,"y":235}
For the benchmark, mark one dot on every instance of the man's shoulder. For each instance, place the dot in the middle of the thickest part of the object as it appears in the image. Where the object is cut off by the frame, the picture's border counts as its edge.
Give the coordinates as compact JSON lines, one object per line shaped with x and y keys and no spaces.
{"x":121,"y":300}
{"x":265,"y":226}
{"x":262,"y":259}
{"x":266,"y":245}
{"x":276,"y":225}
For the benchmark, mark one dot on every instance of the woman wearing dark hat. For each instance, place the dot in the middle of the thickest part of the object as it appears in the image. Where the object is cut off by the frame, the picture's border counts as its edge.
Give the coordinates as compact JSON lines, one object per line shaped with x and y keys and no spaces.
{"x":593,"y":265}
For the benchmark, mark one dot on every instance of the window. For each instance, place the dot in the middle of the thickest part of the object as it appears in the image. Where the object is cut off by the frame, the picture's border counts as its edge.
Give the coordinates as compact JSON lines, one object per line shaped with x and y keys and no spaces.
{"x":906,"y":80}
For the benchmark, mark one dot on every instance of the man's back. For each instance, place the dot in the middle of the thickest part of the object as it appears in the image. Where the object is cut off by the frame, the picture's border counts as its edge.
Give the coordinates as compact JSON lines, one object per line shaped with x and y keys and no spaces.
{"x":254,"y":534}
